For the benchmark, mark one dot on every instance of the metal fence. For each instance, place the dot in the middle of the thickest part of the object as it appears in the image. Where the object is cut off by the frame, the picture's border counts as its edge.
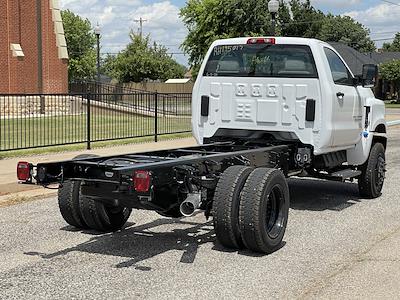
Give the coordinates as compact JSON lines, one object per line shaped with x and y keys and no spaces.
{"x":33,"y":121}
{"x":94,"y":87}
{"x":83,"y":86}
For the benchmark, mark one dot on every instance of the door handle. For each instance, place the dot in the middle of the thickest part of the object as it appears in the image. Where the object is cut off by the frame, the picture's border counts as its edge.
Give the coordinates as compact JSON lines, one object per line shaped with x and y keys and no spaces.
{"x":340,"y":95}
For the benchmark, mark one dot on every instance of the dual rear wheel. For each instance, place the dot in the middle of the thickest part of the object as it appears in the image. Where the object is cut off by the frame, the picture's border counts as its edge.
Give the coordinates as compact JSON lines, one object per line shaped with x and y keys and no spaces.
{"x":250,"y":208}
{"x":85,"y":213}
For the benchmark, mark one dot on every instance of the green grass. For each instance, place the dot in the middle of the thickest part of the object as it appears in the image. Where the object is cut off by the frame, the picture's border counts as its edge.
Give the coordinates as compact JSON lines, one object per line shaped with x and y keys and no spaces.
{"x":43,"y":131}
{"x":95,"y":145}
{"x":392,"y":105}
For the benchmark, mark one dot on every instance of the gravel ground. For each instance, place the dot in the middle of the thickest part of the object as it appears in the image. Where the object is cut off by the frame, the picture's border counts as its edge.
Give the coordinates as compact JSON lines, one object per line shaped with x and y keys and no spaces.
{"x":337,"y":246}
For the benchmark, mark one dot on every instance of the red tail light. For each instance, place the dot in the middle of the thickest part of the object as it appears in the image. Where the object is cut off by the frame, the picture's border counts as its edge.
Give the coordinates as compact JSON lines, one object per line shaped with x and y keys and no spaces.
{"x":141,"y":181}
{"x":271,"y":41}
{"x":24,"y":171}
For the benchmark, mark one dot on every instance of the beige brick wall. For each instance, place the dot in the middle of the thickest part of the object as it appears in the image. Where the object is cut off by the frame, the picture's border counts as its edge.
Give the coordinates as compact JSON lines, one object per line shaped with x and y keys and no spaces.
{"x":17,"y":106}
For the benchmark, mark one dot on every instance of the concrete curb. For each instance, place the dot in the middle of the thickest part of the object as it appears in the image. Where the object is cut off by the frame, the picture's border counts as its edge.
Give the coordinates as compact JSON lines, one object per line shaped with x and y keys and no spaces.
{"x":393,"y":123}
{"x":22,"y":197}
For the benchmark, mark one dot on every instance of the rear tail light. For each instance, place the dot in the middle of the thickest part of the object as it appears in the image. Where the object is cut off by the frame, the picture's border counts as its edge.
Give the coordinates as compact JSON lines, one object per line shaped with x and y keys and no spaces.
{"x":271,"y":41}
{"x":141,"y":181}
{"x":24,"y":171}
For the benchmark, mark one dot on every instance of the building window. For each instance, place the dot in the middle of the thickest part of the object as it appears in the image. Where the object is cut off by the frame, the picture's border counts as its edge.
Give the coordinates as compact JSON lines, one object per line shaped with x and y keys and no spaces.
{"x":17,"y":50}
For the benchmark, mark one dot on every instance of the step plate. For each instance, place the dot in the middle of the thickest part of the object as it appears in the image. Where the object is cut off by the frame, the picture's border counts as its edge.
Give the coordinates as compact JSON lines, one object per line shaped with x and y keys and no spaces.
{"x":346,"y":174}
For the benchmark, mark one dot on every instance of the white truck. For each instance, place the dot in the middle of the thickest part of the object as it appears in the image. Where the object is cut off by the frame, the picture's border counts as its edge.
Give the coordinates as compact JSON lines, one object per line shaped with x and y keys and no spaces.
{"x":264,"y":109}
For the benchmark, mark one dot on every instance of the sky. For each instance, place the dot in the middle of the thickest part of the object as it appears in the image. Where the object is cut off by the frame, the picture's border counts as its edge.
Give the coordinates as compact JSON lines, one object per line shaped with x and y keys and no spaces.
{"x":116,"y":19}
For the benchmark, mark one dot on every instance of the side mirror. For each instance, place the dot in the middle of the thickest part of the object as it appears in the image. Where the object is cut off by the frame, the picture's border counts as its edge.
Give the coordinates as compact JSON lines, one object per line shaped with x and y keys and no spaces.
{"x":369,"y":75}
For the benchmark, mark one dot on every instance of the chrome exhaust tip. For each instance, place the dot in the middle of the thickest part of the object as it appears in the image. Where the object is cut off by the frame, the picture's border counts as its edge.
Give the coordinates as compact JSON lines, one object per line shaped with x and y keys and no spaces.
{"x":190,"y":205}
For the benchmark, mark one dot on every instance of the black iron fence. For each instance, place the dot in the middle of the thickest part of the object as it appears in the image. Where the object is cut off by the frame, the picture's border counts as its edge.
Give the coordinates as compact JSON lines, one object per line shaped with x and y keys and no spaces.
{"x":94,"y":87}
{"x":33,"y":121}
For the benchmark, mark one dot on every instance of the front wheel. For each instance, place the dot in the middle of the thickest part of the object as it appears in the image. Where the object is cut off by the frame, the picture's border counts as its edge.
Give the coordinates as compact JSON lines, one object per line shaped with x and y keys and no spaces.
{"x":370,"y":182}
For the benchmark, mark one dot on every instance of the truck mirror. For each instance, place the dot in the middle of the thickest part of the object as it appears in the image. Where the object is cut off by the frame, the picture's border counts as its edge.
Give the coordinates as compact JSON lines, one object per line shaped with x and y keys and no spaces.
{"x":369,"y":75}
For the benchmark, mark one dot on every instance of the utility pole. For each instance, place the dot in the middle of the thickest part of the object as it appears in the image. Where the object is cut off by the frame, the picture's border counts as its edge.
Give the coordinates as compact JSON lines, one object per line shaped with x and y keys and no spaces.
{"x":140,"y":21}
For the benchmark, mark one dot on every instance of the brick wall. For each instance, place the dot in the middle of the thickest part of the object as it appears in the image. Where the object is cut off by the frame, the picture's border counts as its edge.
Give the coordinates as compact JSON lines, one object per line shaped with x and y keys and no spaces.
{"x":19,"y":24}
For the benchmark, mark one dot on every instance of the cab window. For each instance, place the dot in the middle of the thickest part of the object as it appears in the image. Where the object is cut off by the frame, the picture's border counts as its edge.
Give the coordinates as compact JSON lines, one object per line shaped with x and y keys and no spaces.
{"x":340,"y":73}
{"x":261,"y":60}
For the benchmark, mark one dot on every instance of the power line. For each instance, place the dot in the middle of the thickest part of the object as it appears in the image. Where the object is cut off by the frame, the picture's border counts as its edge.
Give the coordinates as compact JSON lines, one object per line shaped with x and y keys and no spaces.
{"x":390,"y":2}
{"x":381,"y":40}
{"x":387,"y":32}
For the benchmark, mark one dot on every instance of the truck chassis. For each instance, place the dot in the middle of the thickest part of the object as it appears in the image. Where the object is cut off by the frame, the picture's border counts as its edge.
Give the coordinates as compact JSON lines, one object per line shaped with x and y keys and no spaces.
{"x":241,"y":184}
{"x":173,"y":174}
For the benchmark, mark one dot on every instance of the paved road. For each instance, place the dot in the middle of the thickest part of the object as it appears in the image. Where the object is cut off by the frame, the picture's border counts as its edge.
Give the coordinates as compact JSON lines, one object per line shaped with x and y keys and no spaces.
{"x":337,"y":246}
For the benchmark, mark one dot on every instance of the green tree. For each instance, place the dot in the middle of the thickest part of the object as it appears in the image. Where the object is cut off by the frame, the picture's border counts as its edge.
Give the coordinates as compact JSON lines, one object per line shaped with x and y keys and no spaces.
{"x":390,"y":71}
{"x":81,"y":43}
{"x":393,"y":46}
{"x":346,"y":30}
{"x":209,"y":20}
{"x":141,"y":60}
{"x":300,"y":19}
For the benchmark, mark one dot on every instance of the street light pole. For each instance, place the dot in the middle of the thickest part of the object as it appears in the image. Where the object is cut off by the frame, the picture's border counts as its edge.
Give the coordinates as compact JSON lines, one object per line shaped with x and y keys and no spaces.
{"x":273,"y":16}
{"x":273,"y":8}
{"x":97,"y":32}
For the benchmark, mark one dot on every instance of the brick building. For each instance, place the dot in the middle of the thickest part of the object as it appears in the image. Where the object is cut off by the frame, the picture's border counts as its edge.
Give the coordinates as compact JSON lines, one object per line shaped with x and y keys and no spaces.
{"x":33,"y":51}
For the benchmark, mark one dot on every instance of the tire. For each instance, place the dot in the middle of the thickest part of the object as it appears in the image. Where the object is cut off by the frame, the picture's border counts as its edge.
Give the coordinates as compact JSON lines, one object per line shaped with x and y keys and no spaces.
{"x":103,"y":218}
{"x":264,"y":209}
{"x":226,"y":206}
{"x":371,"y":181}
{"x":68,"y":199}
{"x":86,"y":212}
{"x":68,"y":202}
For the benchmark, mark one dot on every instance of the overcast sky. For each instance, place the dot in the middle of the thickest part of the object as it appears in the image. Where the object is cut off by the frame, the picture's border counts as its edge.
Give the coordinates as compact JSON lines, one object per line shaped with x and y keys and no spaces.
{"x":116,"y":18}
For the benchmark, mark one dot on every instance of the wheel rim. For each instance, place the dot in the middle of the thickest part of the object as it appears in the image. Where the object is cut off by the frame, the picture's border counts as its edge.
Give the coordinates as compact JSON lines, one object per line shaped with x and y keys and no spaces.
{"x":380,"y":172}
{"x":275,"y":217}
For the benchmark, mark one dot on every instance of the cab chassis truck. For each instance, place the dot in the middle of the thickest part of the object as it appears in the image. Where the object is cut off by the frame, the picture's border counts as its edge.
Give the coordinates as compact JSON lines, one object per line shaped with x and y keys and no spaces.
{"x":264,"y":109}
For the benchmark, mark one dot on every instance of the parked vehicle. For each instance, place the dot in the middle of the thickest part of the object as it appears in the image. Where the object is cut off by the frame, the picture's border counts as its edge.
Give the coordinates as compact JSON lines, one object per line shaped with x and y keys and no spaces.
{"x":264,"y":109}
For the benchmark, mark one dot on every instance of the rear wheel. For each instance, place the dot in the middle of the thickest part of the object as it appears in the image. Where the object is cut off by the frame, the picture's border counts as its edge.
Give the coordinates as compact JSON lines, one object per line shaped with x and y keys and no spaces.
{"x":68,"y":199}
{"x":226,"y":206}
{"x":370,"y":183}
{"x":264,"y":209}
{"x":68,"y":202}
{"x":103,"y":218}
{"x":83,"y":212}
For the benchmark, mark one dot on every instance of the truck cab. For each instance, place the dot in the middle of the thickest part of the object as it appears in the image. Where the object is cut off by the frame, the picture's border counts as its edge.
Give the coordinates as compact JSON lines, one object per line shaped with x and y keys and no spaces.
{"x":287,"y":89}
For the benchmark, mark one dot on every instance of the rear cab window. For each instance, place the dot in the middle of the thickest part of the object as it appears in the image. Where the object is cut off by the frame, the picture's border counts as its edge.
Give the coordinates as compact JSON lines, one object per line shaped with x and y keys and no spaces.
{"x":261,"y":60}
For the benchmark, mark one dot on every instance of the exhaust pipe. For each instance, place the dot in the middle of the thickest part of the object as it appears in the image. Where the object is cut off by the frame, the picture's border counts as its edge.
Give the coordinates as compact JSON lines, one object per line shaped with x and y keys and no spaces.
{"x":190,"y":205}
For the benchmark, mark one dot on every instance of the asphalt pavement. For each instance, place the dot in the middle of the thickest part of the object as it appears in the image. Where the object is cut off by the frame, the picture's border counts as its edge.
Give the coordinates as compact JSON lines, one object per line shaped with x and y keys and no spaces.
{"x":337,"y":246}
